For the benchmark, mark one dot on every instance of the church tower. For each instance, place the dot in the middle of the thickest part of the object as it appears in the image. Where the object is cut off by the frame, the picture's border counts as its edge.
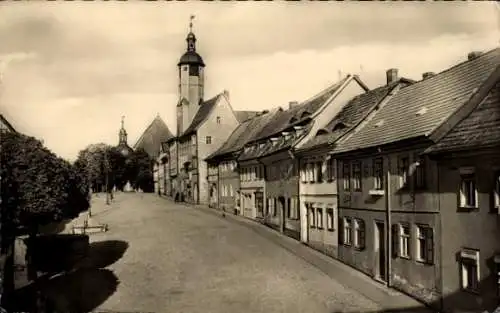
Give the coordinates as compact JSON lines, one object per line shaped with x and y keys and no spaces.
{"x":123,"y":146}
{"x":191,"y":83}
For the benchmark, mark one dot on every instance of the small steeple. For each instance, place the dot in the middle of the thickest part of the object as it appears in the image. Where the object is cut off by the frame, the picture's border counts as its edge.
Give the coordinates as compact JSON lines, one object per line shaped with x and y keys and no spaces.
{"x":123,"y":133}
{"x":191,"y":38}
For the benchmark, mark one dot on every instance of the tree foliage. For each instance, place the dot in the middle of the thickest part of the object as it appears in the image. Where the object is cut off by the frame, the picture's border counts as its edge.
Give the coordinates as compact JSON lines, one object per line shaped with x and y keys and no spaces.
{"x":97,"y":160}
{"x":38,"y":187}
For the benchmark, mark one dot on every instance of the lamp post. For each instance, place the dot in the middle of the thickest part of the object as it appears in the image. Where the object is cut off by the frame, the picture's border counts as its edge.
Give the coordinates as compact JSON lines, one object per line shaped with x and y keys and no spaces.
{"x":107,"y":176}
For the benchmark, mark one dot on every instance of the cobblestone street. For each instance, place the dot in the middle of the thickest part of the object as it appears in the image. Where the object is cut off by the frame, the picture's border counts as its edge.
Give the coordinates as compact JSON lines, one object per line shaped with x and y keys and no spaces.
{"x":182,"y":259}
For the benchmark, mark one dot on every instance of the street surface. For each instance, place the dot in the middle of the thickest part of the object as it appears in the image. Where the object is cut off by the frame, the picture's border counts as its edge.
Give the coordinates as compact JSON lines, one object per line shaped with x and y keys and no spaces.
{"x":178,"y":258}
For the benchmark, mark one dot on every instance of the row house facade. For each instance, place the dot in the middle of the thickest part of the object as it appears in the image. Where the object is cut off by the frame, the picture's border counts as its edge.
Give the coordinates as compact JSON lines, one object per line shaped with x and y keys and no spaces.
{"x":269,"y":158}
{"x":468,"y":170}
{"x":318,"y":183}
{"x":227,"y":177}
{"x":391,"y":217}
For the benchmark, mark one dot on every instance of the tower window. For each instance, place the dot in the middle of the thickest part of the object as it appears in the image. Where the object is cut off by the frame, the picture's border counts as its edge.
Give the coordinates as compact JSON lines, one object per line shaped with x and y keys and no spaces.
{"x":208,"y":140}
{"x":194,"y":70}
{"x":218,"y":119}
{"x":184,"y":68}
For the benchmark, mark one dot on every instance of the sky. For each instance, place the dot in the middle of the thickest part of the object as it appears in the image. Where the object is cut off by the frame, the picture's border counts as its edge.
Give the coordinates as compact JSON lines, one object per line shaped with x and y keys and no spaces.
{"x":70,"y":70}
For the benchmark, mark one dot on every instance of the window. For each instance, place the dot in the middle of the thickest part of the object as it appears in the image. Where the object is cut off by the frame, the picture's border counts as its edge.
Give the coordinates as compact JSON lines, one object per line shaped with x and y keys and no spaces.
{"x":468,"y":192}
{"x":275,"y":211}
{"x":270,"y":205}
{"x":330,"y":222}
{"x":303,"y":173}
{"x":330,"y":169}
{"x":359,"y":234}
{"x":289,"y":208}
{"x":378,"y":174}
{"x":420,"y":179}
{"x":347,"y":231}
{"x":310,"y":172}
{"x":312,"y":220}
{"x":218,"y":119}
{"x":346,"y":176}
{"x":496,"y":193}
{"x":404,"y":239}
{"x":403,"y":166}
{"x":425,"y":244}
{"x":208,"y":140}
{"x":320,"y":218}
{"x":469,"y":263}
{"x":356,"y":173}
{"x":319,"y":172}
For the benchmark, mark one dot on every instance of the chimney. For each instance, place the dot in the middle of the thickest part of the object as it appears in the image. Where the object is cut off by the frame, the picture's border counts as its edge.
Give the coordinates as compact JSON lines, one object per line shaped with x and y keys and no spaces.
{"x":427,"y":75}
{"x":474,"y":54}
{"x":392,"y":75}
{"x":292,"y":104}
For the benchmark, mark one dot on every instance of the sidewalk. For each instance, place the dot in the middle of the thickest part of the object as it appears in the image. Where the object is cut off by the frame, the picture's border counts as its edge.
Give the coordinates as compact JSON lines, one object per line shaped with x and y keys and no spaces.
{"x":387,"y":298}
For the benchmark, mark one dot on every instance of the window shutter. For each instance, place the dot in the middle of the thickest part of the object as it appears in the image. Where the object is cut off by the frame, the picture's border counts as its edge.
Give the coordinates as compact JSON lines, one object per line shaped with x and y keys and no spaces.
{"x":429,"y":242}
{"x":361,"y":225}
{"x":341,"y":230}
{"x":395,"y":240}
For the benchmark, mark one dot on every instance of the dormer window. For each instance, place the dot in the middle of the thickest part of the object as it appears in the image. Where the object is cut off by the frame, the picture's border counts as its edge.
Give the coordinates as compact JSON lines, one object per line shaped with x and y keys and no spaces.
{"x":422,"y":111}
{"x":274,"y":141}
{"x":262,"y":145}
{"x":299,"y":130}
{"x":339,"y":126}
{"x":321,"y":132}
{"x":379,"y":123}
{"x":293,"y":120}
{"x":305,"y":114}
{"x":286,"y":135}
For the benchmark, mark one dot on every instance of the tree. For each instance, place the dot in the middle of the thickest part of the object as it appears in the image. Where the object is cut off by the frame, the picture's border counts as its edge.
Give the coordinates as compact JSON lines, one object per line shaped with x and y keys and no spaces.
{"x":38,"y":187}
{"x":143,"y":171}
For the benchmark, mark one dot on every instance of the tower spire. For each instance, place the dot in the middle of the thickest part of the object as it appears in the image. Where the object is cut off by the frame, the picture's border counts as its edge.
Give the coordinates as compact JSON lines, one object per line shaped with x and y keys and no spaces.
{"x":191,"y":18}
{"x":123,"y":133}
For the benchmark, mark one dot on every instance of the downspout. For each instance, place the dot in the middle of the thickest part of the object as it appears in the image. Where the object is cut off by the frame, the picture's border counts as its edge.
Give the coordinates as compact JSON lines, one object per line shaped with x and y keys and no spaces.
{"x":264,"y":194}
{"x":218,"y":186}
{"x":388,"y":221}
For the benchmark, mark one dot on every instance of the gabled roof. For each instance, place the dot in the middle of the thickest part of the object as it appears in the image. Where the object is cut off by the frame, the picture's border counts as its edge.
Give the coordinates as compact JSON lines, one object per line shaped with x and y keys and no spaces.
{"x":287,"y":119}
{"x":480,"y":129}
{"x":418,"y":109}
{"x":6,"y":123}
{"x":351,"y":115}
{"x":153,"y":136}
{"x":242,"y":116}
{"x":202,"y":114}
{"x":243,"y":133}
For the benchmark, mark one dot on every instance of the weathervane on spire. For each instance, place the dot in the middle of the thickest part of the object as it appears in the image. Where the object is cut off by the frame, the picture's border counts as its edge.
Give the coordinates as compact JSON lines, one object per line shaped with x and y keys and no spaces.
{"x":191,"y":18}
{"x":123,"y":121}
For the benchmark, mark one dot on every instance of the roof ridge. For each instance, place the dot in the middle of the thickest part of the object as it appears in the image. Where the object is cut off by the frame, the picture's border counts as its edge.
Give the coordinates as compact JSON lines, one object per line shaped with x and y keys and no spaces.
{"x":157,"y":118}
{"x":326,"y":90}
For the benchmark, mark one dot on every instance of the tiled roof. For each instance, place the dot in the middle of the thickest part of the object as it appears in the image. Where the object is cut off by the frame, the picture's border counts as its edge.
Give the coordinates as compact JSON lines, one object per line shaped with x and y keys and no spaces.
{"x":153,"y":136}
{"x":203,"y":112}
{"x":242,"y":116}
{"x":286,"y":119}
{"x":480,"y":129}
{"x":418,"y":109}
{"x":243,"y":133}
{"x":350,"y":115}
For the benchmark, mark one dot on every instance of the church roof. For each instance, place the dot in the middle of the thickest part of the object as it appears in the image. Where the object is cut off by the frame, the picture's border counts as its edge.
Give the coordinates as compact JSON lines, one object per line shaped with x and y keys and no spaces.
{"x":153,"y":136}
{"x":191,"y":57}
{"x":203,"y":112}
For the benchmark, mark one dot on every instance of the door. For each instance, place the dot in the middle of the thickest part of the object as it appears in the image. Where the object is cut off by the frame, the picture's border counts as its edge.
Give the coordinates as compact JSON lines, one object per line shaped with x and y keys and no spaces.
{"x":195,"y":193}
{"x":281,"y":201}
{"x":380,"y":260}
